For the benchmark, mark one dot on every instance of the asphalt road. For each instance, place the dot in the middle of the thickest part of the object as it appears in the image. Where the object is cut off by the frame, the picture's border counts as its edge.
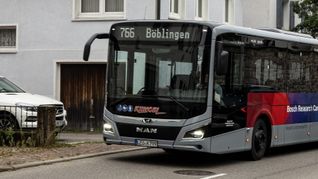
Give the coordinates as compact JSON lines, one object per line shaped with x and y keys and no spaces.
{"x":289,"y":162}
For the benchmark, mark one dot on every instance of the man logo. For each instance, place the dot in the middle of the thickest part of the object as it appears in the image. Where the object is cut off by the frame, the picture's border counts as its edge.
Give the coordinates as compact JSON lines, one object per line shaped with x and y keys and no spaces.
{"x":146,"y":130}
{"x":147,"y":120}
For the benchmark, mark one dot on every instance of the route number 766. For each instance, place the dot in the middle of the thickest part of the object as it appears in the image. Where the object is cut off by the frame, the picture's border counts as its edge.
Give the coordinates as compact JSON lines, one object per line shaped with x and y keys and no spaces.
{"x":127,"y":32}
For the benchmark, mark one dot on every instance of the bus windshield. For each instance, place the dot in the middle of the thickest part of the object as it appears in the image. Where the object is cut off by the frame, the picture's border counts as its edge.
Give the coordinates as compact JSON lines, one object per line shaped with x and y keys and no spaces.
{"x":163,"y":76}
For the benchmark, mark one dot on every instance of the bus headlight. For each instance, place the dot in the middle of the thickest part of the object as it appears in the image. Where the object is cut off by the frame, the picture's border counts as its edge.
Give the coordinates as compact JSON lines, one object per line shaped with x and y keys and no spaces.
{"x":195,"y":134}
{"x":108,"y":128}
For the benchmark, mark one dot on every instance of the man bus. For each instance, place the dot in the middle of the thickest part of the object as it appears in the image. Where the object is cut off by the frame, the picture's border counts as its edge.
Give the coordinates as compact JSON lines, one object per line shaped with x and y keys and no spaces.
{"x":199,"y":86}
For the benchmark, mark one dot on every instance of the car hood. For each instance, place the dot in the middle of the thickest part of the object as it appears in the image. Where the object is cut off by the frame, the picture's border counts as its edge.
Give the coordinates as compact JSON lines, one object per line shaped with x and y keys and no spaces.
{"x":26,"y":99}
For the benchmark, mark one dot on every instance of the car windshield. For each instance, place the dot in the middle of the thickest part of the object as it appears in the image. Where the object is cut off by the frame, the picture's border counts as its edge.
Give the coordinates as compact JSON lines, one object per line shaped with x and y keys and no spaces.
{"x":7,"y":86}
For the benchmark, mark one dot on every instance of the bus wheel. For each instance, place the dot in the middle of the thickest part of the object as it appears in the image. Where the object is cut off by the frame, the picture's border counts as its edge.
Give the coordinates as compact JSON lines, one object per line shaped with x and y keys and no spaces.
{"x":259,"y":140}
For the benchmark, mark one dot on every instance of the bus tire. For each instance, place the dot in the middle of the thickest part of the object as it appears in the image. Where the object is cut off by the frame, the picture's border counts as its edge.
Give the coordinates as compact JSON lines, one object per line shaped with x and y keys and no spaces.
{"x":260,"y":140}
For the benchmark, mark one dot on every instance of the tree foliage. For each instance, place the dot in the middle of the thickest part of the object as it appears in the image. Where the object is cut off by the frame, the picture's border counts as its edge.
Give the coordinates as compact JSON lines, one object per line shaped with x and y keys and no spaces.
{"x":307,"y":10}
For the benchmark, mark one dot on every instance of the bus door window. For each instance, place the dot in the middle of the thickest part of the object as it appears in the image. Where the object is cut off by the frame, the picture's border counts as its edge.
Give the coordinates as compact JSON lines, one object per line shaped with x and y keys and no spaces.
{"x":165,"y":74}
{"x":227,"y":88}
{"x":121,"y":58}
{"x":139,"y":71}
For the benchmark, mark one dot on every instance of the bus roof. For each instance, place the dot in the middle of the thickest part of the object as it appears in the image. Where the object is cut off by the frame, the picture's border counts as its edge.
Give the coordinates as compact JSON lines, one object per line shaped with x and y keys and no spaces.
{"x":265,"y":33}
{"x":221,"y":28}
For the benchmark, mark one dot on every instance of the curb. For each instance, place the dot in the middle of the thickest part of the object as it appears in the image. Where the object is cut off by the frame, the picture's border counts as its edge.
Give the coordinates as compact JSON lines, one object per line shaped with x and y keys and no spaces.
{"x":48,"y":162}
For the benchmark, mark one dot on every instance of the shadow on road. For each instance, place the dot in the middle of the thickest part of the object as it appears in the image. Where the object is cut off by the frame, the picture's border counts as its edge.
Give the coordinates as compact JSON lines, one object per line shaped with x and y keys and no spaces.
{"x":199,"y":160}
{"x":292,"y":149}
{"x":181,"y":159}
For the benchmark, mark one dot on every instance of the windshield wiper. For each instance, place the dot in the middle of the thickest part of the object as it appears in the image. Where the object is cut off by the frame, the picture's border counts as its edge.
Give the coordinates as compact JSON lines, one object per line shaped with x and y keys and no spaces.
{"x":177,"y":102}
{"x":172,"y":99}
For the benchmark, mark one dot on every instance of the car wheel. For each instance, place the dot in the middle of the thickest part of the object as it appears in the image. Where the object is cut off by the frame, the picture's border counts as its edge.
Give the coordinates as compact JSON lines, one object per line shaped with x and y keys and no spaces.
{"x":7,"y":122}
{"x":259,"y":140}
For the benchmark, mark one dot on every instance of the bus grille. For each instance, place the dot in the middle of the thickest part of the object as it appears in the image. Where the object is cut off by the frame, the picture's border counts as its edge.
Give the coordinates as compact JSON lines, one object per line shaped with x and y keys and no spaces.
{"x":162,"y":132}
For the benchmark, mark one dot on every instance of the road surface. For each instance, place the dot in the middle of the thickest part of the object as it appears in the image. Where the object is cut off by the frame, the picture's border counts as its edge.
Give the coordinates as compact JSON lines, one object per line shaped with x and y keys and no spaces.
{"x":288,"y":162}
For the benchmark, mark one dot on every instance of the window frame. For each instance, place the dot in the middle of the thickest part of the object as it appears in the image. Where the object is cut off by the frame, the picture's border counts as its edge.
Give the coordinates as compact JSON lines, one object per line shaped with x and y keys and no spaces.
{"x":229,"y":11}
{"x":100,"y":15}
{"x":203,"y":9}
{"x":179,"y":14}
{"x":10,"y":49}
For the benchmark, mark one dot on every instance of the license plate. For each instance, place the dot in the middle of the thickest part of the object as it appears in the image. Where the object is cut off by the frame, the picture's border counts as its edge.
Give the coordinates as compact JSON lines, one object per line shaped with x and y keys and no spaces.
{"x":146,"y":143}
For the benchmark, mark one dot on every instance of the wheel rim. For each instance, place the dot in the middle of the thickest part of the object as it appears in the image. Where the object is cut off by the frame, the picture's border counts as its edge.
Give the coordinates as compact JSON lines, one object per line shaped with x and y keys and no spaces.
{"x":6,"y":123}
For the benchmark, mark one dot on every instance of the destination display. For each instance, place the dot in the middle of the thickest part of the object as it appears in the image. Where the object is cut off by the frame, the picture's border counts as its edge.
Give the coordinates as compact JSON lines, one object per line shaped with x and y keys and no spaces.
{"x":163,"y":32}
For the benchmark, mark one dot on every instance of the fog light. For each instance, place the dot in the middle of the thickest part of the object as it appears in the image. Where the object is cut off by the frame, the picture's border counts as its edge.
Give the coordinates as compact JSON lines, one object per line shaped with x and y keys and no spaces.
{"x":108,"y":128}
{"x":195,"y":134}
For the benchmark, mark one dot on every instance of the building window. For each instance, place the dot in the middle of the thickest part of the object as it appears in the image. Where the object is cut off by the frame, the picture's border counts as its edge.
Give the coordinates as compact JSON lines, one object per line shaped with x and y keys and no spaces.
{"x":292,"y":16}
{"x":201,"y":10}
{"x":8,"y":38}
{"x":229,"y":11}
{"x":176,"y":9}
{"x":99,"y":9}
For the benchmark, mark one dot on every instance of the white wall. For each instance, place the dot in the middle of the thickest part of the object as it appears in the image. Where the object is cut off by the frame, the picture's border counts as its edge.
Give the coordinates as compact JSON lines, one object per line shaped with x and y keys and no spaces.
{"x":216,"y":10}
{"x":46,"y":33}
{"x":259,"y":13}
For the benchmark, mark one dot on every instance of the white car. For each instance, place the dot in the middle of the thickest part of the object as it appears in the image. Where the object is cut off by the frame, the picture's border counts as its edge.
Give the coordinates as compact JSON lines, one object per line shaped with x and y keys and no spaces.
{"x":18,"y":109}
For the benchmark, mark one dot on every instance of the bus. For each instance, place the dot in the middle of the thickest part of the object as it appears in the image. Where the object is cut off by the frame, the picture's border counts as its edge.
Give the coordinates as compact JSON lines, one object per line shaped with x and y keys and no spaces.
{"x":209,"y":87}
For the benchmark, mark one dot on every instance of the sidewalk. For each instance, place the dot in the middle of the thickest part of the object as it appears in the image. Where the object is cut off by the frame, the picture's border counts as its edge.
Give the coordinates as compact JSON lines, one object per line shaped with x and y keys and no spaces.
{"x":69,"y":138}
{"x":70,"y":146}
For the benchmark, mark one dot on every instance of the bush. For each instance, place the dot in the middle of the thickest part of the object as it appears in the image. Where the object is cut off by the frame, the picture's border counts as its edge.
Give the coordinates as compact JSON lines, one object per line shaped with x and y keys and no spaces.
{"x":11,"y":138}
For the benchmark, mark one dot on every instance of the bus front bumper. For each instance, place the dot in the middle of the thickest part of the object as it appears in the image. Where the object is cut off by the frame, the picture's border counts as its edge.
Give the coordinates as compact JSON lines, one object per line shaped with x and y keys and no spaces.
{"x":165,"y":144}
{"x":180,"y":143}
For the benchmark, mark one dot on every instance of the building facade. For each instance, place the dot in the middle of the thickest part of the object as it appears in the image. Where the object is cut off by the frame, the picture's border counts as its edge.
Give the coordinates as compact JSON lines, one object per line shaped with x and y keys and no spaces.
{"x":41,"y":42}
{"x":269,"y":14}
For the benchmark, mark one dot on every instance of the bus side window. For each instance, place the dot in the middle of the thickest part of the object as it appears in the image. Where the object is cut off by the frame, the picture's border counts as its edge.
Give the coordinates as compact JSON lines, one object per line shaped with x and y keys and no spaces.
{"x":314,"y":68}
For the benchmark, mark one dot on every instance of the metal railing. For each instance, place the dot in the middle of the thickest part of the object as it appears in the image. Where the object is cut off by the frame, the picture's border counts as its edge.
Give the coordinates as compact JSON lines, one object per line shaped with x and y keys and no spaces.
{"x":28,"y":125}
{"x":18,"y":117}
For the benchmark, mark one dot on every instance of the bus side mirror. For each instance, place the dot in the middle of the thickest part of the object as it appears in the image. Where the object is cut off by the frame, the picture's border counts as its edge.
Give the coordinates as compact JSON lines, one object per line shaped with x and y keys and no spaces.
{"x":222,"y":60}
{"x":87,"y":47}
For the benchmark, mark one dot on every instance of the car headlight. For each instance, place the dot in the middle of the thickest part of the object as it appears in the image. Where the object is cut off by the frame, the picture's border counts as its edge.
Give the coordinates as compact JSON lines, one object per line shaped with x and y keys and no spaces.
{"x":27,"y":107}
